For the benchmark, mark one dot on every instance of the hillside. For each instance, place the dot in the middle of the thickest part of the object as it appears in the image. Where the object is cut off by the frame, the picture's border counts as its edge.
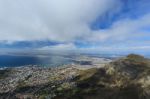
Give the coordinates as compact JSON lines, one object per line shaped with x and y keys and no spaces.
{"x":124,"y":78}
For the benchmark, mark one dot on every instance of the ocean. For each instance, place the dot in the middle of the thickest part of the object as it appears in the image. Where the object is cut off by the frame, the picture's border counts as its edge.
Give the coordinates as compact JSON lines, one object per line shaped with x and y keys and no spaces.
{"x":50,"y":60}
{"x":15,"y":61}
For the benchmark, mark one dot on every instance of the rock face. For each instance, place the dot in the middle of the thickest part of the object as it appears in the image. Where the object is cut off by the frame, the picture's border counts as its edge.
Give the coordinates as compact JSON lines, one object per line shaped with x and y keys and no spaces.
{"x":125,"y":78}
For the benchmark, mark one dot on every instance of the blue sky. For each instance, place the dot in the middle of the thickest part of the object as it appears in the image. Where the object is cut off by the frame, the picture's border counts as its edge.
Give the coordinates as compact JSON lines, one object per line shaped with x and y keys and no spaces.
{"x":78,"y":25}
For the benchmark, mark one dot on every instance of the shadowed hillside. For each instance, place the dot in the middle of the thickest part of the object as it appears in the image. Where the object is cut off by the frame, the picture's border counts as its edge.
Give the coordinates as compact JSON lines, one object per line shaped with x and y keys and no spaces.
{"x":125,"y":78}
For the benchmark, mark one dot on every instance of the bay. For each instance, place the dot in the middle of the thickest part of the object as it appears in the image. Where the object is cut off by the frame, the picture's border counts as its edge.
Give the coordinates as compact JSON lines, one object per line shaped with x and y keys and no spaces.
{"x":14,"y":61}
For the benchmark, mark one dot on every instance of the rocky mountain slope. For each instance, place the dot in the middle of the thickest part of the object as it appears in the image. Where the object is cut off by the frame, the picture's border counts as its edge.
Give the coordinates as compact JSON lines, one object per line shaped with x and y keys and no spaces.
{"x":124,"y":78}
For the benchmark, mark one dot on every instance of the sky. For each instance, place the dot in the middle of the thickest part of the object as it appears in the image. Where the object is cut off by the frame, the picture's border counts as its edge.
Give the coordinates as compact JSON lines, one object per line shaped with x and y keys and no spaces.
{"x":100,"y":26}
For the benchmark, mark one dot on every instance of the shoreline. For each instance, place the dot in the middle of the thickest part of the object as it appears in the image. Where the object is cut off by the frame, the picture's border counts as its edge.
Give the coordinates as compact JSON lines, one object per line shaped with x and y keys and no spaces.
{"x":39,"y":75}
{"x":69,"y":81}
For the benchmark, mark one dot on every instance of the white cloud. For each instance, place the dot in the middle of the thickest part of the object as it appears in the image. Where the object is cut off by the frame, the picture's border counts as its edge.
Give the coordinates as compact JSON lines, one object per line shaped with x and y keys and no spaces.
{"x":116,"y":49}
{"x":67,"y":21}
{"x":123,"y":30}
{"x":68,"y":46}
{"x":58,"y":20}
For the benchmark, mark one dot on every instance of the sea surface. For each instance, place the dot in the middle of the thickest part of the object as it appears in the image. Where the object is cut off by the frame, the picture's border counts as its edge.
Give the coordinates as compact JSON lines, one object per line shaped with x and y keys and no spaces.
{"x":15,"y":61}
{"x":50,"y":60}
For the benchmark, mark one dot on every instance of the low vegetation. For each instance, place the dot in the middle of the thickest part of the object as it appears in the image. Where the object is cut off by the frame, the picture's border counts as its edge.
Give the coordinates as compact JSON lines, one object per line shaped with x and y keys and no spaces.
{"x":118,"y":80}
{"x":125,"y":78}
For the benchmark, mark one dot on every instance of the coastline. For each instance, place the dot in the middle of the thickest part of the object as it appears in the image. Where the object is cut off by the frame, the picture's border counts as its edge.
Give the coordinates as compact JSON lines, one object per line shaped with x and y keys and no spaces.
{"x":21,"y":73}
{"x":126,"y":75}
